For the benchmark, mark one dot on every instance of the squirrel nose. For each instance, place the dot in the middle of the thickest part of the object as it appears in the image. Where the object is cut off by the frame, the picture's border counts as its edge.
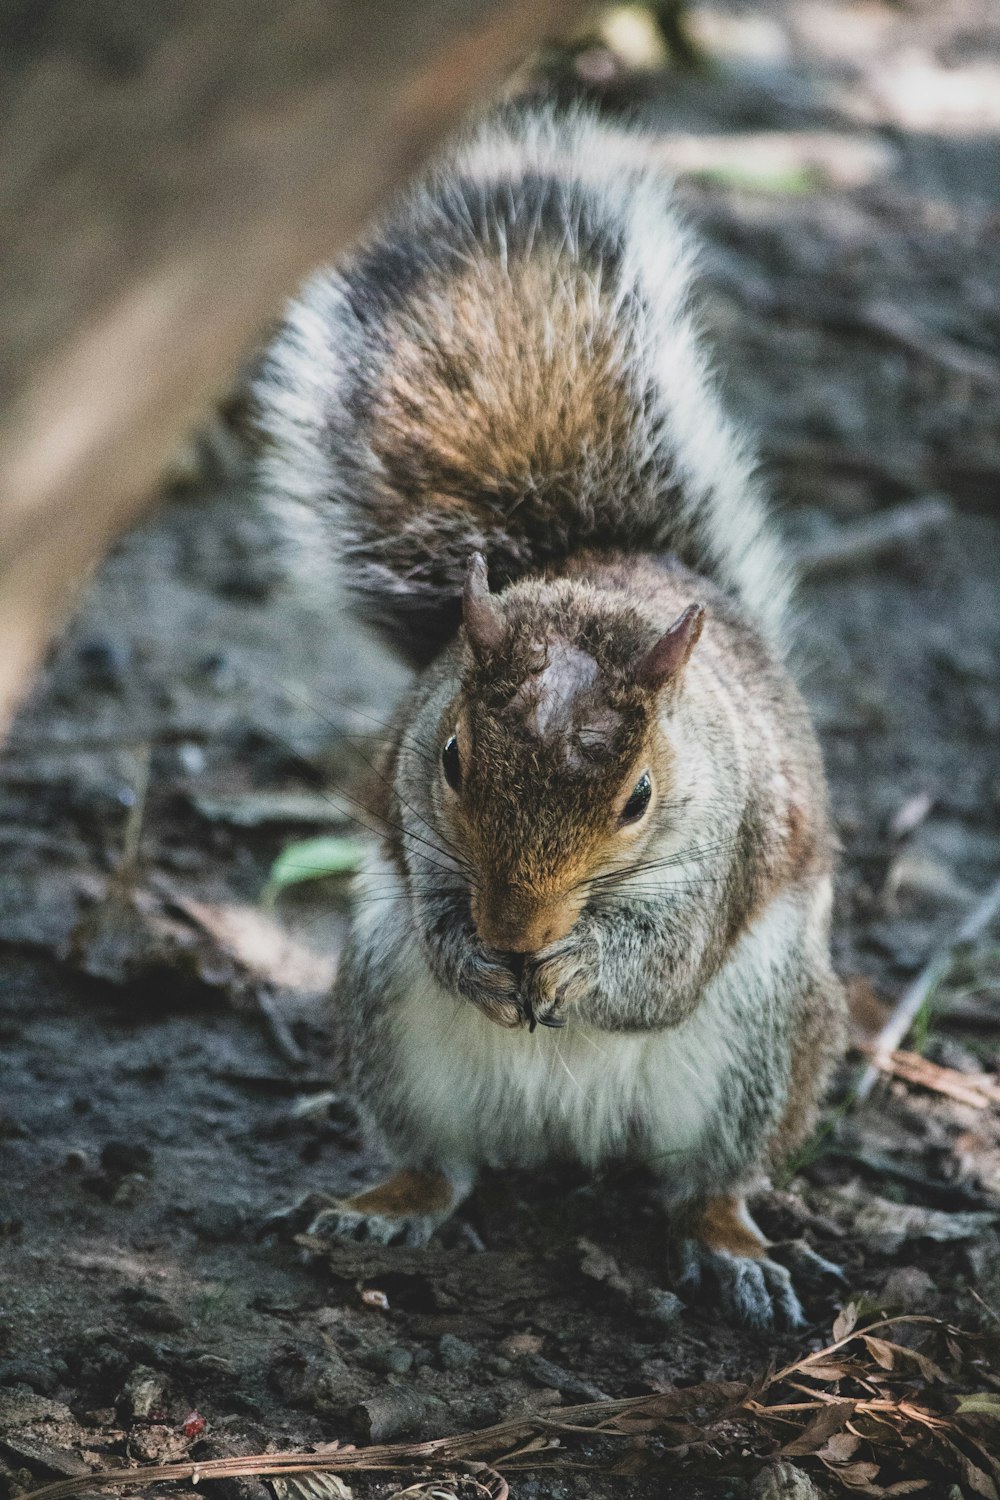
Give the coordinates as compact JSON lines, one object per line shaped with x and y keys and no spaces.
{"x":523,"y":932}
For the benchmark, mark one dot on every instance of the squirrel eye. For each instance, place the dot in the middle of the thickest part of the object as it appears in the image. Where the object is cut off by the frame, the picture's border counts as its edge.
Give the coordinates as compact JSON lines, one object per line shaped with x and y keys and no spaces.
{"x":451,"y":764}
{"x":639,"y":800}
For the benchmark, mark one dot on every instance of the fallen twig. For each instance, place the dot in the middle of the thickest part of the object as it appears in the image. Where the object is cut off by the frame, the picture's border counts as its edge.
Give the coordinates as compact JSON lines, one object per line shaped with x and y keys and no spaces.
{"x":877,"y":319}
{"x":801,"y":1408}
{"x":914,"y":996}
{"x":868,"y":540}
{"x":977,"y":1089}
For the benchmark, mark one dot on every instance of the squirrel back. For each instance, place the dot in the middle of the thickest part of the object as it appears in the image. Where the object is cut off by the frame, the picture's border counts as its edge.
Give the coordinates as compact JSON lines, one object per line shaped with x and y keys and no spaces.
{"x":510,"y":365}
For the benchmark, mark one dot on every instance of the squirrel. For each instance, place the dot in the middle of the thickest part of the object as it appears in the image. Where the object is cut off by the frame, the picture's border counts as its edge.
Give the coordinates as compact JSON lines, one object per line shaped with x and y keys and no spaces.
{"x":597,"y":923}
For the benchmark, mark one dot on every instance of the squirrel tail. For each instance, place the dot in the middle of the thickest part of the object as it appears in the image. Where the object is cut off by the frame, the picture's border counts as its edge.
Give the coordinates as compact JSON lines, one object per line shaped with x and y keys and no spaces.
{"x":511,"y":365}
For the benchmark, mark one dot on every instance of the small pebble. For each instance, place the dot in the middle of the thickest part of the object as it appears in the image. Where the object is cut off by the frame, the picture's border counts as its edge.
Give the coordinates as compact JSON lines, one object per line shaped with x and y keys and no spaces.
{"x":910,"y":1289}
{"x":130,"y":1189}
{"x":395,"y":1360}
{"x":571,"y":1386}
{"x":219,"y":1222}
{"x":158,"y":1317}
{"x":191,"y":758}
{"x":454,"y":1353}
{"x":783,"y":1481}
{"x":123,"y":1157}
{"x":104,"y":662}
{"x":143,"y":1392}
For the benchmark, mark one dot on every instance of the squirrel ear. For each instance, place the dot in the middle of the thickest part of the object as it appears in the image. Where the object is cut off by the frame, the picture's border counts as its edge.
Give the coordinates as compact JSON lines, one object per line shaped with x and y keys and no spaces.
{"x":665,"y":661}
{"x":483,"y":621}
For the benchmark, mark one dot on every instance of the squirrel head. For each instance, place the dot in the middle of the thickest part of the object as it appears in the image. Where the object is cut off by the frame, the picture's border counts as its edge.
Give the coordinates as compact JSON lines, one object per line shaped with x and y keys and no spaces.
{"x":552,"y":756}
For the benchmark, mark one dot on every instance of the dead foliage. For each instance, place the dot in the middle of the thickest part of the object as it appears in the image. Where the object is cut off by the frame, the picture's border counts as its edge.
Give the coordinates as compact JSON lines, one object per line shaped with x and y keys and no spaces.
{"x":979,"y":1090}
{"x":894,"y":1406}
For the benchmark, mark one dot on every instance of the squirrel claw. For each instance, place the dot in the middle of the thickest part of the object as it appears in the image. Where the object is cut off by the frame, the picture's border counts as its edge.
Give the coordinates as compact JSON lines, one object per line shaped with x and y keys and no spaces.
{"x":756,"y":1292}
{"x":549,"y":1018}
{"x":809,"y":1267}
{"x":343,"y":1223}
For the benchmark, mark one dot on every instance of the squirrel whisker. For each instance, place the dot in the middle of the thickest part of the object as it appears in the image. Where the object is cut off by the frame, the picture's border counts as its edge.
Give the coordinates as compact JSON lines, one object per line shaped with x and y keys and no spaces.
{"x":380,"y":818}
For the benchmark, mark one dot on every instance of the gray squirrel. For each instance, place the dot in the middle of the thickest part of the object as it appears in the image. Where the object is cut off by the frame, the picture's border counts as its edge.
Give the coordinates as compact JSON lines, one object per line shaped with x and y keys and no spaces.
{"x":597,"y":923}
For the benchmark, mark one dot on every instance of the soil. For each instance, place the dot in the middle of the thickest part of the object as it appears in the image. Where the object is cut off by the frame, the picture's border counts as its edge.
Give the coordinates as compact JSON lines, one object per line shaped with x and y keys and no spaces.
{"x":166,"y":1085}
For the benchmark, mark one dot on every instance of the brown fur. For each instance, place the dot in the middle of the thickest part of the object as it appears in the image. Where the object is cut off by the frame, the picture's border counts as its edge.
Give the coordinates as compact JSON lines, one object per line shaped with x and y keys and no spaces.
{"x":450,"y":433}
{"x":819,"y":1038}
{"x":405,"y":1193}
{"x":555,"y":726}
{"x":720,"y":1225}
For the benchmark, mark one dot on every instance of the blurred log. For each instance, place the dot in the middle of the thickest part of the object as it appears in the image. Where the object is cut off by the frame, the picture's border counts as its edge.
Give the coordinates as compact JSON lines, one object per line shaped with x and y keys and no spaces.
{"x":169,"y":169}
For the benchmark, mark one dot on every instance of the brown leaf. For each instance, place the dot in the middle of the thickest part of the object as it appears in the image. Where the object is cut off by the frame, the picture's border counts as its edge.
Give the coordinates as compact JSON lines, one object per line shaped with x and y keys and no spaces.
{"x":829,"y":1370}
{"x":859,"y":1477}
{"x":826,"y":1422}
{"x":231,"y":946}
{"x":929,"y":1369}
{"x":261,"y":949}
{"x":976,"y":1479}
{"x":979,"y":1091}
{"x":841,"y":1448}
{"x":844,"y":1322}
{"x":881,"y":1352}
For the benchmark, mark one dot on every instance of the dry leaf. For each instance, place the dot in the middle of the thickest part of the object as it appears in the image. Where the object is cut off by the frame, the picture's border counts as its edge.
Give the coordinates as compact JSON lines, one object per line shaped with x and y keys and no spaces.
{"x":882,"y":1353}
{"x":311,"y":1487}
{"x":826,"y":1422}
{"x":224,"y":945}
{"x":844,"y":1322}
{"x":859,"y":1477}
{"x":841,"y":1448}
{"x":828,"y":1370}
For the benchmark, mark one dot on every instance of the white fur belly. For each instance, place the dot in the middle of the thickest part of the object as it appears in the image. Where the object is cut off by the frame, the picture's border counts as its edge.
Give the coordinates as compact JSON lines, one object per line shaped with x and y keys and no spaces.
{"x":489,"y":1095}
{"x":475,"y":1093}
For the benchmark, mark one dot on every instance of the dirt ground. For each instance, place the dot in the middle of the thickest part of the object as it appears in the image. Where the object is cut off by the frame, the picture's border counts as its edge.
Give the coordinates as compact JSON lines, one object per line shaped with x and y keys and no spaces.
{"x":165,"y":1084}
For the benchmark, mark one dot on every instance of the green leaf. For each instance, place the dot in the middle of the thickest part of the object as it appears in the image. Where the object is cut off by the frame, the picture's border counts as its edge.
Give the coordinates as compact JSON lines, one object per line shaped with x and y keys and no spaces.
{"x":763,"y":178}
{"x":982,"y":1404}
{"x":313,"y":859}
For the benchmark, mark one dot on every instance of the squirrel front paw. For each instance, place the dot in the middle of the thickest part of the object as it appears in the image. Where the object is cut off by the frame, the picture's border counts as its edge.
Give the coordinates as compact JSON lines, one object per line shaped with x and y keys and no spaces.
{"x":557,"y":978}
{"x":491,"y":984}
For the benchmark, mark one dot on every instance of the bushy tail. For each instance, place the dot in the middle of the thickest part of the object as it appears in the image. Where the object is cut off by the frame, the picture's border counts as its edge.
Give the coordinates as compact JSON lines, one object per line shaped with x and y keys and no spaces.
{"x":511,"y":366}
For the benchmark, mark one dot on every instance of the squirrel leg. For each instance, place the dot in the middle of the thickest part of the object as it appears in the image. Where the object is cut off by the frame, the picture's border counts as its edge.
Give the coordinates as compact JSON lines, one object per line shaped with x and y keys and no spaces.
{"x":404,"y":1210}
{"x":722,"y":1249}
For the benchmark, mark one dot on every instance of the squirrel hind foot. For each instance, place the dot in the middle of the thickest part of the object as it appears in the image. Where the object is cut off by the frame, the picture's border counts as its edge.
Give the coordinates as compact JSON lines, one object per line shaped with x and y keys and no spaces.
{"x":405,"y":1210}
{"x":725,"y":1251}
{"x":755,"y":1292}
